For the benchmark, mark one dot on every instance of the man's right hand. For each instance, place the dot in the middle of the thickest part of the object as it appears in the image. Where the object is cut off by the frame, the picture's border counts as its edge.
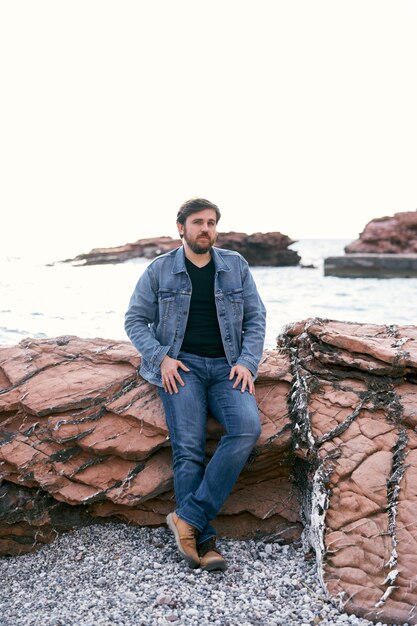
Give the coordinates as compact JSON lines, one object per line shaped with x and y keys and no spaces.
{"x":170,"y":374}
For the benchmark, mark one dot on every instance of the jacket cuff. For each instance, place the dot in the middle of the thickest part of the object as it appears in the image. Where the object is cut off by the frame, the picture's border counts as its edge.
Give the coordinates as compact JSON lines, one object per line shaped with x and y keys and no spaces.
{"x":252,"y":367}
{"x":159,"y":355}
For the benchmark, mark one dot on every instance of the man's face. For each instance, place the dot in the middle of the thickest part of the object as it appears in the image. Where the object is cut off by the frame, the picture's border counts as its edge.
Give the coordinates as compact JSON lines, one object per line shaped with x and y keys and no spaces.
{"x":200,"y":230}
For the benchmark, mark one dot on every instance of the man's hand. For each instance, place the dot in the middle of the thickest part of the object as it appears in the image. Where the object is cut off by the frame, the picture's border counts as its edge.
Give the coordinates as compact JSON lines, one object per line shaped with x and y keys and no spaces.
{"x":170,"y":374}
{"x":244,"y":376}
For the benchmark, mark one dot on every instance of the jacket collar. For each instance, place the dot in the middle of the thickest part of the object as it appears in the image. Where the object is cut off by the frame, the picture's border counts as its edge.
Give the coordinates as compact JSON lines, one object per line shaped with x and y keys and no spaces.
{"x":179,"y":261}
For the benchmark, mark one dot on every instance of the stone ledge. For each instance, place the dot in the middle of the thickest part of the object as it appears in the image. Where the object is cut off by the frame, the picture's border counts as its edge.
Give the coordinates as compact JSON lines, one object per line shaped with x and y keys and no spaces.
{"x":371,"y":265}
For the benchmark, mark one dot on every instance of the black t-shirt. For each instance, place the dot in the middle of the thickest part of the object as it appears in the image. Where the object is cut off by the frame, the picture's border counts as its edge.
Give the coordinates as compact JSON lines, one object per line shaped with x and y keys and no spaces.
{"x":202,"y":335}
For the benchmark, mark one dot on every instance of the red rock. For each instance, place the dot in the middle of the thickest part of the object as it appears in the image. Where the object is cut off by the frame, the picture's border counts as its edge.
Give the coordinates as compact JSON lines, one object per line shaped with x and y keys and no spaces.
{"x":353,"y":413}
{"x":395,"y":234}
{"x":338,"y":410}
{"x":78,"y":425}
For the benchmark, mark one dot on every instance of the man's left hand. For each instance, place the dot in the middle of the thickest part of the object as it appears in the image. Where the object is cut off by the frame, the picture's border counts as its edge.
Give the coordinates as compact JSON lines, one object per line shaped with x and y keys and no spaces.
{"x":244,"y":376}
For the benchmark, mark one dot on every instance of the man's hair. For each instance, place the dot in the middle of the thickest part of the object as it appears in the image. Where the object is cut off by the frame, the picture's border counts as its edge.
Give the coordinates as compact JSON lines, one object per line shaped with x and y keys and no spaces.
{"x":193,"y":206}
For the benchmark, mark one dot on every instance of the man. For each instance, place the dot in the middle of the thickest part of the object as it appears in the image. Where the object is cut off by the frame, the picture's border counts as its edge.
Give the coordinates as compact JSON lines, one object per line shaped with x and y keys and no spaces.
{"x":198,"y":321}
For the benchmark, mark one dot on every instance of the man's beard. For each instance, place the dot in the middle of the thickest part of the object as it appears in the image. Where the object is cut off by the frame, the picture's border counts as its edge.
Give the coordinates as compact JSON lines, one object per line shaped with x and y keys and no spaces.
{"x":201,"y":245}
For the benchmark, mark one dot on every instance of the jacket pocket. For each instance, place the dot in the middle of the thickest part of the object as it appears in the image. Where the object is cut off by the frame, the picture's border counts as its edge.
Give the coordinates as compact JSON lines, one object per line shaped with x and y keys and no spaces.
{"x":235,"y":300}
{"x":166,"y":304}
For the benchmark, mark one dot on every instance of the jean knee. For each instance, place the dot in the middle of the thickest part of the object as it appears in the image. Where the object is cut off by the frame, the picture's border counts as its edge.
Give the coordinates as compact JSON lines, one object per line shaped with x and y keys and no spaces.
{"x":257,"y":430}
{"x":254,"y":421}
{"x":189,"y":451}
{"x":249,"y":426}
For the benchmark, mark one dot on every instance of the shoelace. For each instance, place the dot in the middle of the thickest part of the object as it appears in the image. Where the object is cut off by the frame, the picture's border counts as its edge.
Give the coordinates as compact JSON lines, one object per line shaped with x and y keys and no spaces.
{"x":207,"y":546}
{"x":188,"y":532}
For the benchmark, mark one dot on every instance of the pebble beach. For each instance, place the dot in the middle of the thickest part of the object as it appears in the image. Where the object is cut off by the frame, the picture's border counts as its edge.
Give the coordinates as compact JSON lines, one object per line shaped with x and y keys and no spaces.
{"x":112,"y":574}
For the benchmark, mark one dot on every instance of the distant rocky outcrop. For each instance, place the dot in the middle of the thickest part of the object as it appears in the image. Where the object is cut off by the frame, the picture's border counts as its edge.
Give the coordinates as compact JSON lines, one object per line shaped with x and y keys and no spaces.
{"x":83,"y":437}
{"x":388,"y":235}
{"x":258,"y":249}
{"x":261,"y":248}
{"x":387,"y":248}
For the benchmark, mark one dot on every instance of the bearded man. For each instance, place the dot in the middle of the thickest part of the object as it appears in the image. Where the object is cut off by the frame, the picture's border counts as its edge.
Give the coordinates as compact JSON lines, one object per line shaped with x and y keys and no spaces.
{"x":198,"y":321}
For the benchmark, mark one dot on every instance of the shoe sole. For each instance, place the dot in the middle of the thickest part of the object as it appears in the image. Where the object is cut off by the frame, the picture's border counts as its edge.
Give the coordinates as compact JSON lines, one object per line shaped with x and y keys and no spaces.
{"x":192,"y":563}
{"x":219,"y":566}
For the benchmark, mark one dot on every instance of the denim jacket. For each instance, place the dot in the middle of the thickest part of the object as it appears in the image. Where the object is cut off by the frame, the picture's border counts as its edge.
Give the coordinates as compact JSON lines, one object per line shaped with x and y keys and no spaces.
{"x":158,"y":311}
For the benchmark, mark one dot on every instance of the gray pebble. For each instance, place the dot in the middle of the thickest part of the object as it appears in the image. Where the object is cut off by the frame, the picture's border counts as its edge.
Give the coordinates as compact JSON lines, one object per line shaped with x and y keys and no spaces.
{"x":162,"y":599}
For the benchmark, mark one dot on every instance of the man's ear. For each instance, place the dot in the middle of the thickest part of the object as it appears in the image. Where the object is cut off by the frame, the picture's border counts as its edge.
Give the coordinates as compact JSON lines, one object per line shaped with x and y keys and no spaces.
{"x":180,"y":229}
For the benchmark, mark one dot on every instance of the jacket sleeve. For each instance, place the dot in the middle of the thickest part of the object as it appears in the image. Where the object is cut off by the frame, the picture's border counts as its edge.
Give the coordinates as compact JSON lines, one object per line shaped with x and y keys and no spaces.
{"x":254,"y":323}
{"x":141,"y":317}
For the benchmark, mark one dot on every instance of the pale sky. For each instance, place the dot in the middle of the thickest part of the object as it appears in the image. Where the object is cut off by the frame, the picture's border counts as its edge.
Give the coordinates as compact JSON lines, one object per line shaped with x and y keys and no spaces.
{"x":297,"y":116}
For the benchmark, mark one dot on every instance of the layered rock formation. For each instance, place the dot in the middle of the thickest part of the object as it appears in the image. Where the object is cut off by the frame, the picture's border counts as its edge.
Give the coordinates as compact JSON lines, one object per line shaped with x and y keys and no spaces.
{"x":83,"y":437}
{"x":354,"y":412}
{"x":258,"y":249}
{"x":389,"y":235}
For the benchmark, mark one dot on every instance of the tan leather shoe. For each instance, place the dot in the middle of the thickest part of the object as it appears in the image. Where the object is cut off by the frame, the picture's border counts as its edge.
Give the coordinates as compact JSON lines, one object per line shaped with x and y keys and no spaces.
{"x":185,"y":536}
{"x":210,"y":557}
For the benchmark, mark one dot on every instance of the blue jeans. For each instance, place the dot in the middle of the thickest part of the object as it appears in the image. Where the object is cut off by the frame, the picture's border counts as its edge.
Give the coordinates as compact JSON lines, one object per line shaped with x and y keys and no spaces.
{"x":200,"y":490}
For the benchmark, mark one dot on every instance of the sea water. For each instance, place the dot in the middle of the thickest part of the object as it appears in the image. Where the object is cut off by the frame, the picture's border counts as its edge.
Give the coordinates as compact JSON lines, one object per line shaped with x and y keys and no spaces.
{"x":38,"y":299}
